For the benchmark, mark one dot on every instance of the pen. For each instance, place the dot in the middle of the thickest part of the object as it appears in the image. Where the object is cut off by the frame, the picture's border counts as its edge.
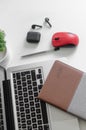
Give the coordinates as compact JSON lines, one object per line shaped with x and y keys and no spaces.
{"x":41,"y":52}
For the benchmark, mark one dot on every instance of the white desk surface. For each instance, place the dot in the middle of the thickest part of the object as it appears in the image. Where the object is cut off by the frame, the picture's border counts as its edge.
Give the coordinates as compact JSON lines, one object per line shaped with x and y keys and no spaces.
{"x":17,"y":16}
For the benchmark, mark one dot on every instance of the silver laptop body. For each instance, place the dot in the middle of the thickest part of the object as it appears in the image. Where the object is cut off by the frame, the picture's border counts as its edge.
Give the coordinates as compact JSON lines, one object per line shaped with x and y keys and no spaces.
{"x":23,"y":110}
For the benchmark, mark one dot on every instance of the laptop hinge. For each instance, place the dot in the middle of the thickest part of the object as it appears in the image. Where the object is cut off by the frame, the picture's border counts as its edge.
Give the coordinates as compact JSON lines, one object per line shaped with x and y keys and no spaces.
{"x":8,"y":105}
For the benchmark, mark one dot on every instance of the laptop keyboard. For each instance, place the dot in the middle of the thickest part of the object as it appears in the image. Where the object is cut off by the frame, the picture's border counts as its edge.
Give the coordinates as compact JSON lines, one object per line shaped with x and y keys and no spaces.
{"x":1,"y":114}
{"x":31,"y":112}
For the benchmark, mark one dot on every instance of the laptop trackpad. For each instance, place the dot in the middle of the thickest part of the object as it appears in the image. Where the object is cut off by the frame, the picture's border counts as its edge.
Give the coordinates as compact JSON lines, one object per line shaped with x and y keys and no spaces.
{"x":59,"y":115}
{"x":66,"y":125}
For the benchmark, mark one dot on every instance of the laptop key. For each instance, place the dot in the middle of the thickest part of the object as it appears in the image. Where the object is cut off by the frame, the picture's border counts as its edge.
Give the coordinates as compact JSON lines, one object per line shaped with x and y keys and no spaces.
{"x":26,"y":105}
{"x":34,"y":126}
{"x":44,"y":112}
{"x":33,"y":114}
{"x":40,"y":128}
{"x":28,"y":76}
{"x":29,"y":87}
{"x":40,"y":86}
{"x":22,"y":114}
{"x":23,"y":120}
{"x":29,"y":122}
{"x":1,"y":113}
{"x":28,"y":116}
{"x":36,"y":100}
{"x":20,"y":93}
{"x":27,"y":111}
{"x":25,"y":89}
{"x":25,"y":100}
{"x":39,"y":116}
{"x":21,"y":103}
{"x":23,"y":126}
{"x":39,"y":76}
{"x":23,"y":78}
{"x":33,"y":75}
{"x":39,"y":70}
{"x":29,"y":127}
{"x":34,"y":84}
{"x":39,"y":122}
{"x":30,"y":98}
{"x":37,"y":105}
{"x":33,"y":120}
{"x":46,"y":127}
{"x":28,"y":82}
{"x":37,"y":111}
{"x":32,"y":109}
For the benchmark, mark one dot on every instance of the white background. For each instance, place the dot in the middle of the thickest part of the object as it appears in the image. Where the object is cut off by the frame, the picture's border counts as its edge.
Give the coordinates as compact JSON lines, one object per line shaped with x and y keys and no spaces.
{"x":17,"y":16}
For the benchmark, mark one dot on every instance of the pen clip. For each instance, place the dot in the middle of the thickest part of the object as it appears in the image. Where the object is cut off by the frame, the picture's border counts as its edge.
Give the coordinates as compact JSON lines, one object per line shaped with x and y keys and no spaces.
{"x":56,"y":48}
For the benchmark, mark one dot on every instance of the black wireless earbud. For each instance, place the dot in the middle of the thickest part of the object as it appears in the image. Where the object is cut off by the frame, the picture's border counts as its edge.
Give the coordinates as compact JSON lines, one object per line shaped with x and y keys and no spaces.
{"x":47,"y":21}
{"x":34,"y":26}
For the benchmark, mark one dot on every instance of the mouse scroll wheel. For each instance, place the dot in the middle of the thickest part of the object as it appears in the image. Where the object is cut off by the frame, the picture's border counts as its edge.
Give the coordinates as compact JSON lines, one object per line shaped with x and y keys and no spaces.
{"x":57,"y":38}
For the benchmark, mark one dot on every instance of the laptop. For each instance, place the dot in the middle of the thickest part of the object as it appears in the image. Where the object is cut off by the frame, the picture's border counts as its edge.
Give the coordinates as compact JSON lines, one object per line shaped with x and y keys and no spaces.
{"x":20,"y":109}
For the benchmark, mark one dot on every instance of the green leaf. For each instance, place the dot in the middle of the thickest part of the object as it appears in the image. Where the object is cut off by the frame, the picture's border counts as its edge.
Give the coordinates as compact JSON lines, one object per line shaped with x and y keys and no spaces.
{"x":2,"y":41}
{"x":2,"y":48}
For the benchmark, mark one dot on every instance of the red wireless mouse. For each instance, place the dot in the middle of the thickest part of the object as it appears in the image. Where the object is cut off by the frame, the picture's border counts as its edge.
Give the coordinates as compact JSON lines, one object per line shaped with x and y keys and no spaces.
{"x":64,"y":39}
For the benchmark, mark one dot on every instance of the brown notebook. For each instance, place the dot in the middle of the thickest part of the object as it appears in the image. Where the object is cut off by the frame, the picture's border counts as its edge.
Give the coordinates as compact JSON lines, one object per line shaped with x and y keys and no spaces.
{"x":64,"y":88}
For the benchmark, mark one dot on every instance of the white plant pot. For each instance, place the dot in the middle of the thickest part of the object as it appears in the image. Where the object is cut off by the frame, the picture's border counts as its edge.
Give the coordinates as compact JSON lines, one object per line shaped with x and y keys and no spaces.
{"x":3,"y":55}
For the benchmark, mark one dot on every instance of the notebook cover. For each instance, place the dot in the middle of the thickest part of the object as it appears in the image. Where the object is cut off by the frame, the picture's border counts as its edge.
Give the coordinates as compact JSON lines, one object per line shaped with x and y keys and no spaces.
{"x":63,"y":87}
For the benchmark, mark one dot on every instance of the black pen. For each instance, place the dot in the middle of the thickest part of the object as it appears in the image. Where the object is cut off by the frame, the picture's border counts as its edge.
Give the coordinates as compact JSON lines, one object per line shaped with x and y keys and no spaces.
{"x":40,"y":52}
